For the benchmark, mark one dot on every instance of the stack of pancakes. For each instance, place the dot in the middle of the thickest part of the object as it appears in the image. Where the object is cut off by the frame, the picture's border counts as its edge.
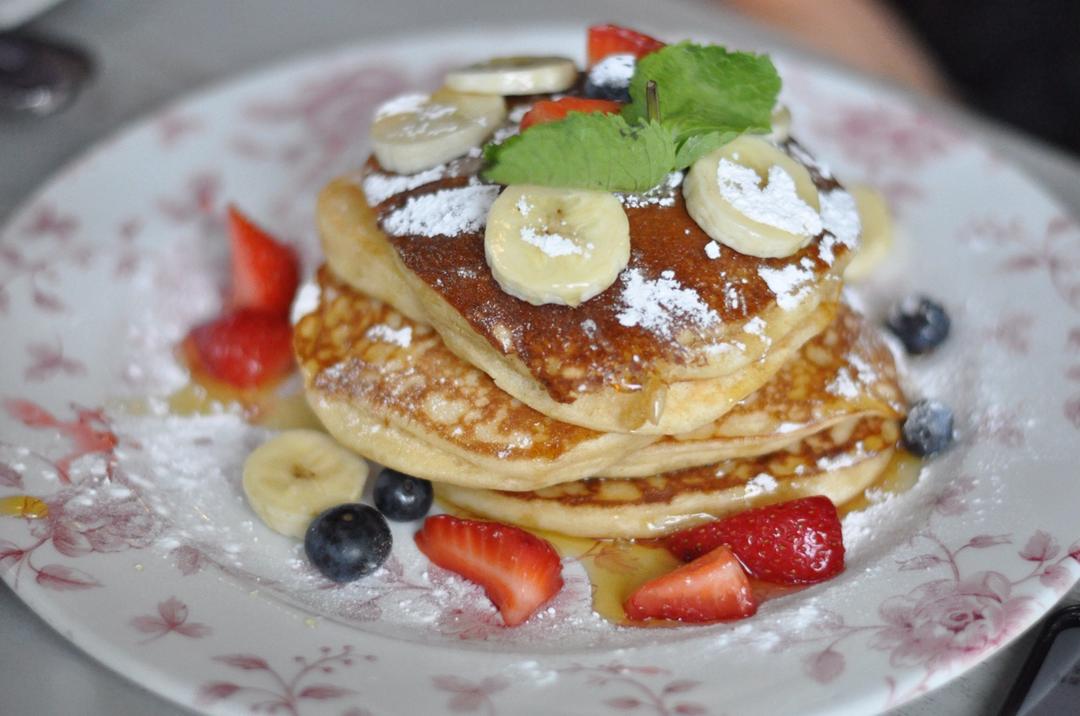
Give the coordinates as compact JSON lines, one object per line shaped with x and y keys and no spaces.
{"x":700,"y":383}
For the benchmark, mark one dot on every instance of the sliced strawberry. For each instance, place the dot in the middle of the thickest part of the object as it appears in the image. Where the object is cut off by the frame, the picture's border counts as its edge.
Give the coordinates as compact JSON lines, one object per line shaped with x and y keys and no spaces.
{"x":265,"y":273}
{"x":607,"y":40}
{"x":245,"y":348}
{"x":519,"y":571}
{"x":553,"y":110}
{"x":712,"y":588}
{"x":796,"y":542}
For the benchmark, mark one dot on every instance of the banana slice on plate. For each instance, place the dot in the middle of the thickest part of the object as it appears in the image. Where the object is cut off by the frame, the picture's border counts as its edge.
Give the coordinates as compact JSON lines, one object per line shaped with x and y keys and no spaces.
{"x":515,"y":76}
{"x":752,"y":197}
{"x":417,"y":132}
{"x":876,"y":239}
{"x":560,"y":246}
{"x":297,"y":474}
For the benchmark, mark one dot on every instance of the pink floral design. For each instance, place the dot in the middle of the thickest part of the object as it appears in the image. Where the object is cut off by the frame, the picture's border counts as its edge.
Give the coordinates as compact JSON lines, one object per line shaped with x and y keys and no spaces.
{"x":48,"y":361}
{"x":470,"y":697}
{"x":49,"y":221}
{"x":89,"y":432}
{"x":173,"y":126}
{"x":636,"y":694}
{"x":200,"y":201}
{"x":286,"y":694}
{"x":1013,"y":332}
{"x":1055,"y":250}
{"x":334,"y":110}
{"x":17,"y":260}
{"x":171,"y":618}
{"x":950,"y":621}
{"x":877,"y":136}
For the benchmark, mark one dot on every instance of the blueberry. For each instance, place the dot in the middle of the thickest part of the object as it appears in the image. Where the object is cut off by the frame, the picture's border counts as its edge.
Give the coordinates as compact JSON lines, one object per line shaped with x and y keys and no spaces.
{"x":615,"y":93}
{"x":928,"y":429}
{"x":402,"y":497}
{"x":610,"y":78}
{"x":920,"y":323}
{"x":348,"y":541}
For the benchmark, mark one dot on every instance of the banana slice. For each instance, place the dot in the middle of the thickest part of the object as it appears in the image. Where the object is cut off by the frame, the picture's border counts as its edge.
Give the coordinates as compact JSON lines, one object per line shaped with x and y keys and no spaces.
{"x":515,"y":76}
{"x":418,"y":132}
{"x":876,"y":239}
{"x":296,"y":475}
{"x":560,"y":246}
{"x":725,"y":196}
{"x":781,"y":124}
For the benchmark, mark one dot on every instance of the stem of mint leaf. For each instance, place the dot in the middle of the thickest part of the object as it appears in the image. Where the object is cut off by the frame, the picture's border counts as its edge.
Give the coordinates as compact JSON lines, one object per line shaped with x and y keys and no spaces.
{"x":652,"y":101}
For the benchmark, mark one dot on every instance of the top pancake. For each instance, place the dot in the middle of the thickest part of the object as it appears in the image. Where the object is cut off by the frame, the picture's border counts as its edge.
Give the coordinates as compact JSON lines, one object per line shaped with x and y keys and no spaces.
{"x":673,"y":319}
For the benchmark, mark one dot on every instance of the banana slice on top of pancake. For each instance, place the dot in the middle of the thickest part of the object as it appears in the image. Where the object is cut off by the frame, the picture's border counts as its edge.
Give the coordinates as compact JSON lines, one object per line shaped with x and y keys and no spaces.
{"x":515,"y":76}
{"x":559,"y":246}
{"x":752,"y":197}
{"x":417,"y":132}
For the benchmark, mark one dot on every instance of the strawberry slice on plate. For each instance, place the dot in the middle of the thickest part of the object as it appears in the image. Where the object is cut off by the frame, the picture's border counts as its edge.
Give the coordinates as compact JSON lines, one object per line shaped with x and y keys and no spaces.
{"x":265,"y":272}
{"x":714,"y":587}
{"x":519,"y":571}
{"x":605,"y":40}
{"x":549,"y":110}
{"x":245,"y":348}
{"x":795,"y":542}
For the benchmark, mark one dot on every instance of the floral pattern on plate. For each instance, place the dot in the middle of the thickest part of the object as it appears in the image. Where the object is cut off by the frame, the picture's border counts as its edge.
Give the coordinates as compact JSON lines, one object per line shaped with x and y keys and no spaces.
{"x":128,"y":531}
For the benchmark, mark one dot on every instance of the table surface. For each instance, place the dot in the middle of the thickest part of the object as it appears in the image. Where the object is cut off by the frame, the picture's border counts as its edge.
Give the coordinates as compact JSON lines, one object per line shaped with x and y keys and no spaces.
{"x":150,"y":51}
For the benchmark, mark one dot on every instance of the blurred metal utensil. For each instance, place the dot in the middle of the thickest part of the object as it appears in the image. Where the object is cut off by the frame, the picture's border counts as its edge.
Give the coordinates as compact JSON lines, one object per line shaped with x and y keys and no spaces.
{"x":39,"y":76}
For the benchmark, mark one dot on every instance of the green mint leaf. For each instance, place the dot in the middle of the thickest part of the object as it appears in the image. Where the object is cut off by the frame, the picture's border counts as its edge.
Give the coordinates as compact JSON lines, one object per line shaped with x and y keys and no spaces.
{"x":585,"y":151}
{"x":705,"y":90}
{"x":699,"y":145}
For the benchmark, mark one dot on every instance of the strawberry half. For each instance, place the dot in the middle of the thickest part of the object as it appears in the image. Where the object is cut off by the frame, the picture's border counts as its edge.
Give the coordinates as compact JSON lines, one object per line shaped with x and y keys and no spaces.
{"x":712,"y":588}
{"x":796,"y":542}
{"x":548,"y":110}
{"x":245,"y":348}
{"x":265,"y":272}
{"x":519,"y":571}
{"x":605,"y":40}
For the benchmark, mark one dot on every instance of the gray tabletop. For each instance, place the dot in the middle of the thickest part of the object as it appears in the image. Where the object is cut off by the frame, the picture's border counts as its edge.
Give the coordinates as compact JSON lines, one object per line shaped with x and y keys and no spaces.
{"x":150,"y":51}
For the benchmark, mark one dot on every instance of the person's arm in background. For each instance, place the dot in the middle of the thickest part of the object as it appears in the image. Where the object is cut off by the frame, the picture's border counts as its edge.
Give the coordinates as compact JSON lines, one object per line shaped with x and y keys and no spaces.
{"x":865,"y":34}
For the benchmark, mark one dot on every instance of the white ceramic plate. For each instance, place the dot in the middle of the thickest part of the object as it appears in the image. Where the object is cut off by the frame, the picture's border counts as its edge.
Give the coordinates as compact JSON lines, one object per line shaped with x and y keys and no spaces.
{"x":150,"y":560}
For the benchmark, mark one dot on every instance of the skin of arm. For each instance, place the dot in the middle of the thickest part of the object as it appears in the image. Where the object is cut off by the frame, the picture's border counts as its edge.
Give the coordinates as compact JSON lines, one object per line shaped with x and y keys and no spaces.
{"x":864,"y":34}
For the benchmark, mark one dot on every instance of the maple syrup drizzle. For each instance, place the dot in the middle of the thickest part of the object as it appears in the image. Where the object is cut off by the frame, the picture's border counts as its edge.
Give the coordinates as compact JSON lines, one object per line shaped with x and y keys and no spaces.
{"x":25,"y":506}
{"x":616,"y":567}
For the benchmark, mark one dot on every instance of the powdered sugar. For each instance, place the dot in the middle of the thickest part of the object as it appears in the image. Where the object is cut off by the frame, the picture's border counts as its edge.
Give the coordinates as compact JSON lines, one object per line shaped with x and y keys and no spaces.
{"x":402,"y":104}
{"x":660,"y":305}
{"x":662,"y":194}
{"x":840,"y":217}
{"x":306,"y":301}
{"x":379,"y":187}
{"x":712,"y":250}
{"x":790,"y":284}
{"x":396,"y":336}
{"x":843,"y":385}
{"x":613,"y":71}
{"x":447,"y":212}
{"x":763,"y":483}
{"x":777,"y":204}
{"x":550,"y":244}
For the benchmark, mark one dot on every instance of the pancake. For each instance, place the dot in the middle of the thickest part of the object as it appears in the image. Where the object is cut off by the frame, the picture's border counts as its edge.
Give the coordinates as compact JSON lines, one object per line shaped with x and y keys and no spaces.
{"x":387,"y":387}
{"x":840,"y":464}
{"x":844,"y":374}
{"x":670,"y":347}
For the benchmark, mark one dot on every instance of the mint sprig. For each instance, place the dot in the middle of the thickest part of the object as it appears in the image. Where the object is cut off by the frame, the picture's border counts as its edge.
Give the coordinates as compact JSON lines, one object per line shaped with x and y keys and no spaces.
{"x":708,"y":96}
{"x":585,"y":151}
